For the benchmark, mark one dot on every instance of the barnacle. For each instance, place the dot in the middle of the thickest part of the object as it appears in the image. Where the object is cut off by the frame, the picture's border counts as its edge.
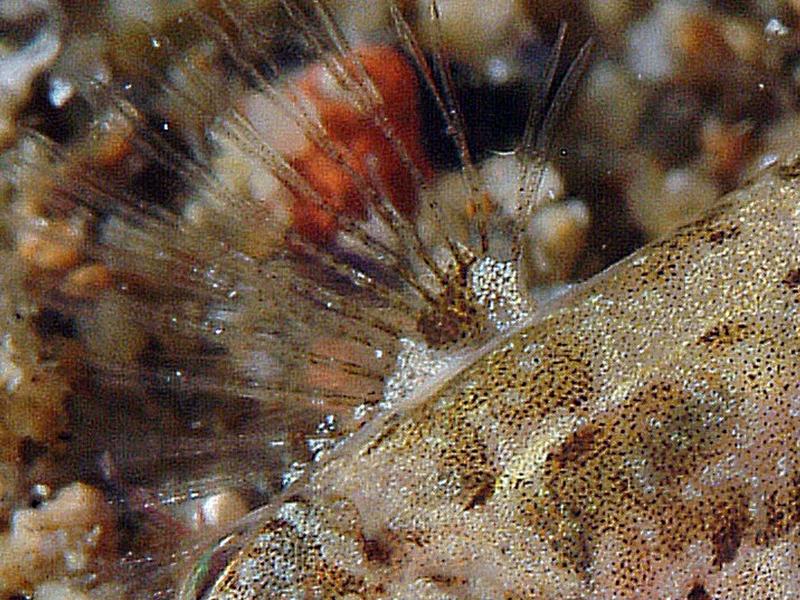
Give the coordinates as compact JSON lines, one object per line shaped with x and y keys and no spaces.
{"x":249,"y":307}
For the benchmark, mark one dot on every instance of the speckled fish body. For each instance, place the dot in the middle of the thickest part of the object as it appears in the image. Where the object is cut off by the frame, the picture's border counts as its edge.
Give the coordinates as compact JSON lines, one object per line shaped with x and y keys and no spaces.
{"x":638,"y":440}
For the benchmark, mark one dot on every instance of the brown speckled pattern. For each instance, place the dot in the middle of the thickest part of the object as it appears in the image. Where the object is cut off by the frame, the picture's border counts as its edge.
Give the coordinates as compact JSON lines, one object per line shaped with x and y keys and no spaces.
{"x":640,"y":440}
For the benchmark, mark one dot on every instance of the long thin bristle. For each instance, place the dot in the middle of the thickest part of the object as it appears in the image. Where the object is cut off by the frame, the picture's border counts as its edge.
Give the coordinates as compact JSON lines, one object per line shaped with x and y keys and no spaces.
{"x":240,"y":309}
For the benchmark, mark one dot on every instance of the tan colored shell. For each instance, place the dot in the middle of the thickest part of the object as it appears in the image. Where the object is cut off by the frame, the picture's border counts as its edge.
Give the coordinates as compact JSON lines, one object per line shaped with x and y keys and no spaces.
{"x":640,"y":440}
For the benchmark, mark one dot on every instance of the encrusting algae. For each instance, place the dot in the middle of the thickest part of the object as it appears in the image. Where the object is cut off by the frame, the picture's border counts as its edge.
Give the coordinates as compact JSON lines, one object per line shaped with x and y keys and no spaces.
{"x":285,"y":311}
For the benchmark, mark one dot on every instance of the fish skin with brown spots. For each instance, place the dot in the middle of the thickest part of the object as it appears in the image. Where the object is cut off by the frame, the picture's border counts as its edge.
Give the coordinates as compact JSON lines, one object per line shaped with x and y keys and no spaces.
{"x":638,"y":439}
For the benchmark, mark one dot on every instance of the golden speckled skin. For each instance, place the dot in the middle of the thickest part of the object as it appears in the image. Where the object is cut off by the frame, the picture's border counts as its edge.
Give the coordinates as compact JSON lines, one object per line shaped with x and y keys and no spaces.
{"x":639,"y":440}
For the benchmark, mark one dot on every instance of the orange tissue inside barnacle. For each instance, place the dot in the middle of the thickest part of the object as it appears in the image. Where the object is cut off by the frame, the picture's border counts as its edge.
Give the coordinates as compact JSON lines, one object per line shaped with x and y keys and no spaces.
{"x":361,"y":143}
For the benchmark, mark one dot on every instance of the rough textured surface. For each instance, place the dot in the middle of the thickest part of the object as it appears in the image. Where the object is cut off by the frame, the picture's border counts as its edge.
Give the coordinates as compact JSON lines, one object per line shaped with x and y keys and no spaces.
{"x":244,"y":239}
{"x":640,"y":441}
